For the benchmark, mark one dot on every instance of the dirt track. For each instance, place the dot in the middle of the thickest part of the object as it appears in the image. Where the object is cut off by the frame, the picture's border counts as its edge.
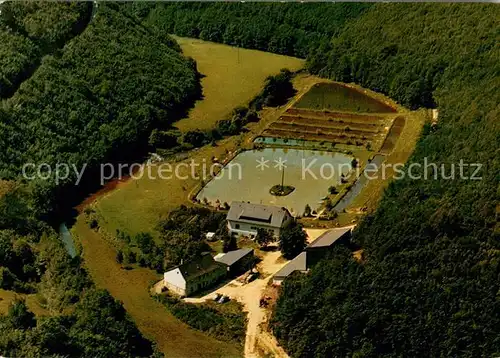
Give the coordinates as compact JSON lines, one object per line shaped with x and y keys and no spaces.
{"x":249,"y":295}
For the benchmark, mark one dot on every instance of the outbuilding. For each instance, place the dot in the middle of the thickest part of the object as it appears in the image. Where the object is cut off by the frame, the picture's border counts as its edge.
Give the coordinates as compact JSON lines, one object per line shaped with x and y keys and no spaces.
{"x":237,"y":261}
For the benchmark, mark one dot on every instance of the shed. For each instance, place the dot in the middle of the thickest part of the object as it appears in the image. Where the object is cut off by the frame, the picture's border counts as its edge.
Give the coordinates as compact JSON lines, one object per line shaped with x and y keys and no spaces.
{"x":237,"y":261}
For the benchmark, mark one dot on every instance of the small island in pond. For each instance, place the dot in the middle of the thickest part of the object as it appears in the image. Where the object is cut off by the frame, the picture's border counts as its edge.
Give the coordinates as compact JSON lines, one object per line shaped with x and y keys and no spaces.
{"x":281,"y":190}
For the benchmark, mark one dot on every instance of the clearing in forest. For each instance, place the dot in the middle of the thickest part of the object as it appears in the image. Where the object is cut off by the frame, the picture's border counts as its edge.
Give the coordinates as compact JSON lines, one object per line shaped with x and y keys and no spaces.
{"x":232,"y":77}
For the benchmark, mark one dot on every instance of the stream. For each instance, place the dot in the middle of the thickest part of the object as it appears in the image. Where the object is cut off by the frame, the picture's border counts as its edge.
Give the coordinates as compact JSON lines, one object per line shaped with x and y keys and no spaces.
{"x":358,"y":185}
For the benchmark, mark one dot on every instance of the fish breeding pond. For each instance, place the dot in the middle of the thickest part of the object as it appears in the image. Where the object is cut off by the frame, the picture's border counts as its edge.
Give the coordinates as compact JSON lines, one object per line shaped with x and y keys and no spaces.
{"x":251,"y":175}
{"x":341,"y":97}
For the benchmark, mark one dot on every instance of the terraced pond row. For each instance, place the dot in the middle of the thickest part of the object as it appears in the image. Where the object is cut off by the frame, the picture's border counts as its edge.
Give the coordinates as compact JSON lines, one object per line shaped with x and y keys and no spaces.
{"x":330,"y":123}
{"x":321,"y":114}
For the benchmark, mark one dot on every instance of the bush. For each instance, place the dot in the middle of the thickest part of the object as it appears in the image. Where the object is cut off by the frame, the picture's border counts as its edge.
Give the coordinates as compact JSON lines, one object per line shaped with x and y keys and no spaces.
{"x":217,"y":321}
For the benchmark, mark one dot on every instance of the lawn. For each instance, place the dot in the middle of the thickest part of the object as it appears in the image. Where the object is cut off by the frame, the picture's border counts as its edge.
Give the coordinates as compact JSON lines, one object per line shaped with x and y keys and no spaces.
{"x":232,"y":77}
{"x":138,"y":205}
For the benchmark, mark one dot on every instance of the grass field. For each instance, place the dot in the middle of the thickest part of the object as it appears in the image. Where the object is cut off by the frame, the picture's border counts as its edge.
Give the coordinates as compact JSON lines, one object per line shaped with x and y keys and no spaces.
{"x":138,"y":205}
{"x":232,"y":77}
{"x":334,"y":96}
{"x":403,"y":148}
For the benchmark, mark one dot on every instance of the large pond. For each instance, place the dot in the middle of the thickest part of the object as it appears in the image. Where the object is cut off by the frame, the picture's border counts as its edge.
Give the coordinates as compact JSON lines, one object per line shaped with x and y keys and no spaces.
{"x":67,"y":240}
{"x":251,"y":174}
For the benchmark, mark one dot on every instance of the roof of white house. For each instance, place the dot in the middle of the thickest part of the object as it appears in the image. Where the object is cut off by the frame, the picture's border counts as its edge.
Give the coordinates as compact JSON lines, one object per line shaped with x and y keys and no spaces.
{"x":329,"y":237}
{"x":297,"y":264}
{"x":231,"y":257}
{"x":257,"y":214}
{"x":197,"y":267}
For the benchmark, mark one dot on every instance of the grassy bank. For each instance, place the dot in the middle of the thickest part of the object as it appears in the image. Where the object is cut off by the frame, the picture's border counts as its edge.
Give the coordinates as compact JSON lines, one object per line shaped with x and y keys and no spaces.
{"x":226,"y":322}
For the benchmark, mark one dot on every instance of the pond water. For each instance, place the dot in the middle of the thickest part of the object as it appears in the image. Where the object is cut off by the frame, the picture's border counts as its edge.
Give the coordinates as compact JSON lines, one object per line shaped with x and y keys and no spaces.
{"x":358,"y":185}
{"x":336,"y":96}
{"x":67,"y":240}
{"x":310,"y":172}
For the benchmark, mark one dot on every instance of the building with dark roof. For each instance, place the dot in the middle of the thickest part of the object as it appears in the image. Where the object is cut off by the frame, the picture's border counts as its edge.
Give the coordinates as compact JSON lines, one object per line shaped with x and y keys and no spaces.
{"x":237,"y":261}
{"x":194,"y":276}
{"x":320,"y":247}
{"x":298,"y":264}
{"x":246,"y":218}
{"x":314,"y":252}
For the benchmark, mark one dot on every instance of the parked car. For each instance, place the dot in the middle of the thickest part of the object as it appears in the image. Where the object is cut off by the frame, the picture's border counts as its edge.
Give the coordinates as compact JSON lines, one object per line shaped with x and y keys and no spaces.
{"x":224,"y":299}
{"x":217,"y":297}
{"x":251,"y":277}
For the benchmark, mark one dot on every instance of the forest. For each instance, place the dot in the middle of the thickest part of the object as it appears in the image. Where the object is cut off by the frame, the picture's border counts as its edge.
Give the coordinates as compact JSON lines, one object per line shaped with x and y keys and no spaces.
{"x":78,"y":105}
{"x":82,"y":320}
{"x":294,"y":29}
{"x":31,"y":29}
{"x":429,"y":285}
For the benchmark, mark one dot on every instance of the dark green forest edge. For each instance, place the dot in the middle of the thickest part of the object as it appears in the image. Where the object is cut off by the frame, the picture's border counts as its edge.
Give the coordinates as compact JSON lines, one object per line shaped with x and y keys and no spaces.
{"x":94,"y":97}
{"x":430,"y":283}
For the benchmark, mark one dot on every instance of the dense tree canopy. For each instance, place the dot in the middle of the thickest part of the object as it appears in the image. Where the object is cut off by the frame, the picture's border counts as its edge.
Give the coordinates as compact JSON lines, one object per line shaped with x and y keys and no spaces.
{"x":31,"y":29}
{"x":293,"y":239}
{"x":83,"y":321}
{"x":95,"y":101}
{"x":294,"y":29}
{"x":430,"y":283}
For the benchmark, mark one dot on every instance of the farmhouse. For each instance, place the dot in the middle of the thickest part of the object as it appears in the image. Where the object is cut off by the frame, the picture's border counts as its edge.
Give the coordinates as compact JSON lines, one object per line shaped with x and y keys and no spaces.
{"x":245,"y":218}
{"x":237,"y":261}
{"x":194,"y":276}
{"x":313,"y":253}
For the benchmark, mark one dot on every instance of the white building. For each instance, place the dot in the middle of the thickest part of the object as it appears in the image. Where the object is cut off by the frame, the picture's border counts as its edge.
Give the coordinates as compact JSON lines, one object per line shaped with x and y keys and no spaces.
{"x":245,"y":218}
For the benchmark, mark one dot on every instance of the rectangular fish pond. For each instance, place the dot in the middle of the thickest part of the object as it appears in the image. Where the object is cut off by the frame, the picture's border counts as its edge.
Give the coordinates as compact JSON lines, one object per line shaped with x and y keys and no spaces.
{"x":251,"y":175}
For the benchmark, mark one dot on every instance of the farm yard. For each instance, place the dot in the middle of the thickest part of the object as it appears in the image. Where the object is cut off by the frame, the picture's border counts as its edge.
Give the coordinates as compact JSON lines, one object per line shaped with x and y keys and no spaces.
{"x":137,"y":205}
